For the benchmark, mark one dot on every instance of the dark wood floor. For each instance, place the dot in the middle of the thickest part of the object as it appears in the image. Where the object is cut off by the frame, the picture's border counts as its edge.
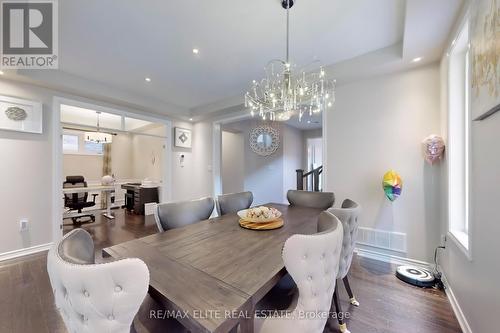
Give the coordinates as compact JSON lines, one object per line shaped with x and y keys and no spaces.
{"x":387,"y":304}
{"x":124,"y":227}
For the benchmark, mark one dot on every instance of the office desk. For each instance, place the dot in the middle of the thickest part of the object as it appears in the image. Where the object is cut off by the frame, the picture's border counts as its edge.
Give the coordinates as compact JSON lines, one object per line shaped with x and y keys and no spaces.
{"x":99,"y":188}
{"x":137,"y":196}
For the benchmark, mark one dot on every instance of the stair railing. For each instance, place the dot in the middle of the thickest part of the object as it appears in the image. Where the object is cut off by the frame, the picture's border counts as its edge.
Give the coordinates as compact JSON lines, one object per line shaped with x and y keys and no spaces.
{"x":313,"y":176}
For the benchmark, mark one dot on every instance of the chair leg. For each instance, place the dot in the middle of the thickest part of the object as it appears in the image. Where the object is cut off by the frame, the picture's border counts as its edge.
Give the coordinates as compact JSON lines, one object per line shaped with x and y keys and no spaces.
{"x":338,"y":311}
{"x":352,"y":299}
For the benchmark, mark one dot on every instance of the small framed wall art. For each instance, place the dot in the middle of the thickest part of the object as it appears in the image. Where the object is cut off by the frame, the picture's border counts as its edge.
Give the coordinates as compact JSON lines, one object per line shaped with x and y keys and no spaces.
{"x":485,"y":59}
{"x":182,"y":137}
{"x":20,"y":115}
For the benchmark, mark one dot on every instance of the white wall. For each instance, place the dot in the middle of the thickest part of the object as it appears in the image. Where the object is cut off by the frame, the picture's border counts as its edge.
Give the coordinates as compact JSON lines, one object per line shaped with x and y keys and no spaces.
{"x":269,"y":177}
{"x":26,"y":169}
{"x":475,"y":282}
{"x":90,"y":166}
{"x":193,"y":179}
{"x":233,"y":162}
{"x":292,"y":158}
{"x":263,"y":174}
{"x":148,"y":155}
{"x":25,"y":175}
{"x":376,"y":125}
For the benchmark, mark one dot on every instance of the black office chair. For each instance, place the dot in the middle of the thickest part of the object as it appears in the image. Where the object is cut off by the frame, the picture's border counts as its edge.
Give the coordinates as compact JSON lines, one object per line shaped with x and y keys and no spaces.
{"x":78,"y":201}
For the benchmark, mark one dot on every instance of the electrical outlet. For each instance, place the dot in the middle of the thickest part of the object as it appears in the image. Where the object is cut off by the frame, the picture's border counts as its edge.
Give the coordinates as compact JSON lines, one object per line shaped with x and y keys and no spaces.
{"x":23,"y":225}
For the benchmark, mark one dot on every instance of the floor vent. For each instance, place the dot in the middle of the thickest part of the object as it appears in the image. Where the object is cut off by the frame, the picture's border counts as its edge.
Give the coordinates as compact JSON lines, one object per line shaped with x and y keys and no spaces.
{"x":389,"y":240}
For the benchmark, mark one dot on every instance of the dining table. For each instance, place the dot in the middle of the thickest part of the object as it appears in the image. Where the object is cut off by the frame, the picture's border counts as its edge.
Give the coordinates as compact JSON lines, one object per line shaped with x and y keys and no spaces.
{"x":211,"y":274}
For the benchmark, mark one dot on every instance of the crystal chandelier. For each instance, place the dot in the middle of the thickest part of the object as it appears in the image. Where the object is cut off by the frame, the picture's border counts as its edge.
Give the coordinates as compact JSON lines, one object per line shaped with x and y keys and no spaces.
{"x":281,"y":94}
{"x":98,"y":136}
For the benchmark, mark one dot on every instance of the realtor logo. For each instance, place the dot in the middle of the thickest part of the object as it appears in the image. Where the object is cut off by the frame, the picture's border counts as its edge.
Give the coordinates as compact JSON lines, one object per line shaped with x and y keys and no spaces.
{"x":29,"y":34}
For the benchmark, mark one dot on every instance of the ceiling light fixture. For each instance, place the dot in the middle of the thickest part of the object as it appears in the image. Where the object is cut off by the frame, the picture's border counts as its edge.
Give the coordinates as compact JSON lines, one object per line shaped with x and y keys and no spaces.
{"x":147,"y":79}
{"x":282,"y":94}
{"x":196,"y":51}
{"x":98,"y":136}
{"x":417,"y":59}
{"x":190,"y":119}
{"x":2,"y":73}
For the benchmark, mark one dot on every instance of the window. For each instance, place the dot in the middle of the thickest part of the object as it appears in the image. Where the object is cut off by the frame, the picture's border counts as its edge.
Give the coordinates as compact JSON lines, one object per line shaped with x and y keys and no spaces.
{"x":70,"y":143}
{"x":74,"y":143}
{"x":92,"y":148}
{"x":458,"y":141}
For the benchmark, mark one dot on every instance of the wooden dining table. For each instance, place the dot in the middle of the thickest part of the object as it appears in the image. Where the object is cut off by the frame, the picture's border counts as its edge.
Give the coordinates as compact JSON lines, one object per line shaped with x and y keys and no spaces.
{"x":210,"y":275}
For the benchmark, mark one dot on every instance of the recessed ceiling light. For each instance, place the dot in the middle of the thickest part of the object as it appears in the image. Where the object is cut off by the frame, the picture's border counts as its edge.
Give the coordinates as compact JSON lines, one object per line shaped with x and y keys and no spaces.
{"x":196,"y":51}
{"x":417,"y":59}
{"x":147,"y":79}
{"x":190,"y":119}
{"x":308,"y":121}
{"x":2,"y":73}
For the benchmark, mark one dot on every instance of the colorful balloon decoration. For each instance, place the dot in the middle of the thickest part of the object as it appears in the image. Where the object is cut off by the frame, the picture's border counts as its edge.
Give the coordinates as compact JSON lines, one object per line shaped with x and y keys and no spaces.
{"x":433,"y":148}
{"x":392,"y":184}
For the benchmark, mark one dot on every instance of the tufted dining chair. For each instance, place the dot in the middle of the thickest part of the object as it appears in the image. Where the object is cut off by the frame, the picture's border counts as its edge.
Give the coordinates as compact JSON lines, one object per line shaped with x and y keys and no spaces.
{"x":322,"y":200}
{"x":95,"y":297}
{"x":232,"y":203}
{"x":348,"y":215}
{"x":312,"y":261}
{"x":178,"y":214}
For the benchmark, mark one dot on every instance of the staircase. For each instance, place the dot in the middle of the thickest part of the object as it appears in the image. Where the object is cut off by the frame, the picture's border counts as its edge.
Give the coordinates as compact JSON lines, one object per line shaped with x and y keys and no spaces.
{"x":310,"y":179}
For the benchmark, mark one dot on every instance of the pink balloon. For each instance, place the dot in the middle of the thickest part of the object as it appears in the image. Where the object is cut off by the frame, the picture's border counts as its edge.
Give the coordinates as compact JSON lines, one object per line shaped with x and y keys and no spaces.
{"x":433,"y":148}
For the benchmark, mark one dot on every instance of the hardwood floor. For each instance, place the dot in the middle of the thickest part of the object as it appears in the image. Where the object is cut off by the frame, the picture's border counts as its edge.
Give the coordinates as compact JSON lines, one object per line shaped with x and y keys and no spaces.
{"x":124,"y":227}
{"x":387,"y":304}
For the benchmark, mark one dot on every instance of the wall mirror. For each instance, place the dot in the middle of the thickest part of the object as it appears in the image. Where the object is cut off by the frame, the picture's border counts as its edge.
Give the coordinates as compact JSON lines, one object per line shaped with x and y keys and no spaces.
{"x":264,"y":140}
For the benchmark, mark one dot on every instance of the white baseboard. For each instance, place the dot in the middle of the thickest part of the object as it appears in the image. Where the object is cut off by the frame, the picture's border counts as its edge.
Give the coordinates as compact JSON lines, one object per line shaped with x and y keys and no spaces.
{"x":392,"y":259}
{"x":25,"y":252}
{"x":407,"y":261}
{"x":462,"y":320}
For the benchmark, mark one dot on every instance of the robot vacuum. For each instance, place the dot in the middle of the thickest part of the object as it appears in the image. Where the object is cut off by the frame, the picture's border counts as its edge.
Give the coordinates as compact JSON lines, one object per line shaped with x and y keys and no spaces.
{"x":416,"y":276}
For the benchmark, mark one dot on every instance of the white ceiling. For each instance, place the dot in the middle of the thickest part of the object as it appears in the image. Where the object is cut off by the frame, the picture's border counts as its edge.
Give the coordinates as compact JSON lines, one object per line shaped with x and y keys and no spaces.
{"x":307,"y":123}
{"x":117,"y":43}
{"x":121,"y":42}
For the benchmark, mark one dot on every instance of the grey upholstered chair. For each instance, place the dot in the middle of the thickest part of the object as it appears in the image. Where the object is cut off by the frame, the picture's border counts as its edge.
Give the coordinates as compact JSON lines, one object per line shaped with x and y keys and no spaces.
{"x":312,"y":261}
{"x":178,"y":214}
{"x":348,"y":215}
{"x":95,"y":297}
{"x":234,"y":202}
{"x":323,"y":200}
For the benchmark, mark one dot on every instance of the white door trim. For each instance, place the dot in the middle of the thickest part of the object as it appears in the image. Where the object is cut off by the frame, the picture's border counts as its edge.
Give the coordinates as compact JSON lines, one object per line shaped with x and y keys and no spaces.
{"x":217,"y":148}
{"x":324,"y":135}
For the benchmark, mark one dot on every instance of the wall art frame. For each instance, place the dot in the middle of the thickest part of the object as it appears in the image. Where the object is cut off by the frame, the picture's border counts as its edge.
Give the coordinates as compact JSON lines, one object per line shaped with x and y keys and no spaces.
{"x":182,"y":137}
{"x":21,"y":115}
{"x":485,"y":59}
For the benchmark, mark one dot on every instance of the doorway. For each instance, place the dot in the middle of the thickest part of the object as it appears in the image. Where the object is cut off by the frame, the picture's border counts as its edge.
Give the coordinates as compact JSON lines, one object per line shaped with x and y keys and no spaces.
{"x":314,"y":153}
{"x":136,"y":152}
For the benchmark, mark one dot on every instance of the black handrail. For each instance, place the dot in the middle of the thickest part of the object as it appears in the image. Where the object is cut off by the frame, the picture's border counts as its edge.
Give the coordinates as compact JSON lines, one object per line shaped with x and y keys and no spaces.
{"x":315,"y":173}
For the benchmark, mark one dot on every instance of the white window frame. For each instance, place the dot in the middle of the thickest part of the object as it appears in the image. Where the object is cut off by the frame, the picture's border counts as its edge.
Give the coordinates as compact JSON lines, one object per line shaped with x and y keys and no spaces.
{"x":459,"y":228}
{"x":82,"y":150}
{"x":70,"y":151}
